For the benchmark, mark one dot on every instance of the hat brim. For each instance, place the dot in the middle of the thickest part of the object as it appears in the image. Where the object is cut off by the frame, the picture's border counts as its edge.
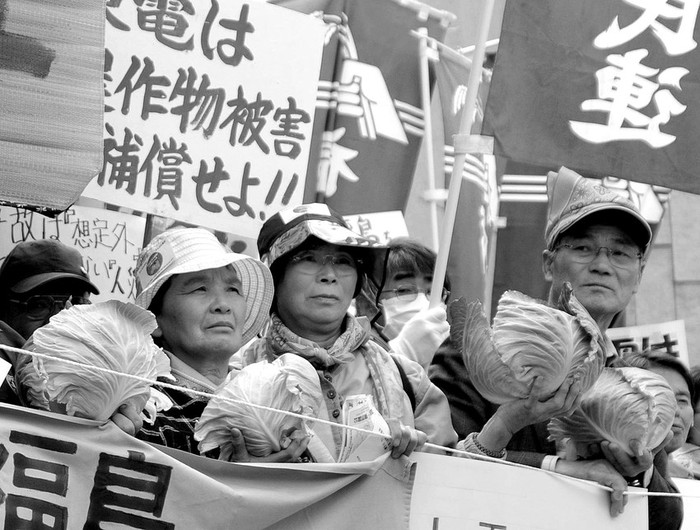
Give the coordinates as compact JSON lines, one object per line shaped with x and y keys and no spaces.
{"x":38,"y":280}
{"x":373,"y":254}
{"x":640,"y":232}
{"x":256,"y":281}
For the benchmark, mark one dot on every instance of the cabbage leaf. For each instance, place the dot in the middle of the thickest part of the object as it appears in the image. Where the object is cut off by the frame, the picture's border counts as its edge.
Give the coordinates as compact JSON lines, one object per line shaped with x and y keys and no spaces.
{"x":624,"y":404}
{"x":531,"y":345}
{"x":289,"y":383}
{"x":112,"y":335}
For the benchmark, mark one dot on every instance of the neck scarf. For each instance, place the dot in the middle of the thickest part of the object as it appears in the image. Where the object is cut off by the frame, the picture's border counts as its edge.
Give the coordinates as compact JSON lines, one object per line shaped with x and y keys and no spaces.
{"x":280,"y":339}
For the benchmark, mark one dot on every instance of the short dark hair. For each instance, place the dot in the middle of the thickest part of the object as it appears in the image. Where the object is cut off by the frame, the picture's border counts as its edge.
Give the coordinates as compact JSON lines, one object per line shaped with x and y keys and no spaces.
{"x":404,"y":254}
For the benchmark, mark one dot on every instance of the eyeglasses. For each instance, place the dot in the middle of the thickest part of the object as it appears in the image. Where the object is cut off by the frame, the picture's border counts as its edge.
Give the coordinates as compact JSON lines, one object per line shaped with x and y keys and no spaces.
{"x":311,"y":263}
{"x":620,"y":257}
{"x":410,"y":293}
{"x":42,"y":306}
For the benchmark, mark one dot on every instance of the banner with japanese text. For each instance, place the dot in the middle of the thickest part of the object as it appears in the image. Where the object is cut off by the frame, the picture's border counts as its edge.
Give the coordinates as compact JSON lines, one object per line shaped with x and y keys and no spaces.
{"x":374,"y":123}
{"x":662,"y":337}
{"x":604,"y":87}
{"x":61,"y":472}
{"x":209,"y":109}
{"x":477,"y":210}
{"x":51,"y":100}
{"x":109,"y":242}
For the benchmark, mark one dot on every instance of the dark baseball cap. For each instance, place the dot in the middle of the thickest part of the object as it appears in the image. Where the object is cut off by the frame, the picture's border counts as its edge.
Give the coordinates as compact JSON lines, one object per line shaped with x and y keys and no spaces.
{"x":34,"y":263}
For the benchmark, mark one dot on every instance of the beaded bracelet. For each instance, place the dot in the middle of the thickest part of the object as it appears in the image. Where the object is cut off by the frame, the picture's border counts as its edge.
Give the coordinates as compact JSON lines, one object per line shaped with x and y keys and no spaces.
{"x":472,"y":441}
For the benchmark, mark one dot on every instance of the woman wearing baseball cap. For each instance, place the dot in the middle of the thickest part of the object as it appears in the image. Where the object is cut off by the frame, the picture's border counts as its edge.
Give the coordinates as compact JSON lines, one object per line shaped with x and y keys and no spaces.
{"x":318,"y":265}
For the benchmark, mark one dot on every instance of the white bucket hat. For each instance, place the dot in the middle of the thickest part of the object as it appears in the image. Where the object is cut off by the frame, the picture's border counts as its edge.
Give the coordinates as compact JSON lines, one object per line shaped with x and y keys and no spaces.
{"x":183,"y":250}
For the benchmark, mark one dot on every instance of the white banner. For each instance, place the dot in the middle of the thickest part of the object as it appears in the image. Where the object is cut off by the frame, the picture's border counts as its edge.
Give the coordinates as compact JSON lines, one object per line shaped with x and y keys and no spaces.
{"x":72,"y":473}
{"x":209,"y":110}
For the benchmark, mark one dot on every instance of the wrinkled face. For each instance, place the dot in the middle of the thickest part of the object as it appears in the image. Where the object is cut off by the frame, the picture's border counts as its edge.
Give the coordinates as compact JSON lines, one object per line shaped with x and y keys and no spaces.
{"x":202,"y":314}
{"x":315,"y":294}
{"x":603,"y":288}
{"x":684,"y":409}
{"x":27,"y":312}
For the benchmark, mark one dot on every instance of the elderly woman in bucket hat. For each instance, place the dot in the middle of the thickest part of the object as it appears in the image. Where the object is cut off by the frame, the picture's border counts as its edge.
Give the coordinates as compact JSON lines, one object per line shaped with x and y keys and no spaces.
{"x":318,"y":265}
{"x":208,"y":302}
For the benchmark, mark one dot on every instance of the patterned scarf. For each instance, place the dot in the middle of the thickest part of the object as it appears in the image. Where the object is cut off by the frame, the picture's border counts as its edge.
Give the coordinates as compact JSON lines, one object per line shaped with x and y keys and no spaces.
{"x":280,"y":339}
{"x":388,"y":389}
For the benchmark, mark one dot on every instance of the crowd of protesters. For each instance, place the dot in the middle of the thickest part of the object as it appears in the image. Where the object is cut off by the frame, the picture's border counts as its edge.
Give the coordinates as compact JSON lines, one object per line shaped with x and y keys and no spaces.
{"x":359,"y":313}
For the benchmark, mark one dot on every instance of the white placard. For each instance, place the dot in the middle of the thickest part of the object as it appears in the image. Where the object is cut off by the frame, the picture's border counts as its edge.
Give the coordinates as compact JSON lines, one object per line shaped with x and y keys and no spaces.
{"x":109,"y":242}
{"x":463,"y":494}
{"x":381,"y":227}
{"x":667,"y":335}
{"x":691,"y":502}
{"x":209,"y":110}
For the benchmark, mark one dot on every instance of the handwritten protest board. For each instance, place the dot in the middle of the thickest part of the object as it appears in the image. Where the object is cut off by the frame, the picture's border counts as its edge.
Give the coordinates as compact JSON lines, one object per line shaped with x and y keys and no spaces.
{"x":380,"y":227}
{"x":667,"y":336}
{"x":109,"y":242}
{"x":209,"y":109}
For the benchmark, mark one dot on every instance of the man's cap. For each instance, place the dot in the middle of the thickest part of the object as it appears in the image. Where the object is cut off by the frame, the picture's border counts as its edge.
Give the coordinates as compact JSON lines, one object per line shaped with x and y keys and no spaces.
{"x":33,"y":263}
{"x":184,"y":250}
{"x":573,"y":198}
{"x":290,"y":228}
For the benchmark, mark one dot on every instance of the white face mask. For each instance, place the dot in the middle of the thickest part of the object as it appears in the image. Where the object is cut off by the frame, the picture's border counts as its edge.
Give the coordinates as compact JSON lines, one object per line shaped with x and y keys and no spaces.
{"x":398,"y":312}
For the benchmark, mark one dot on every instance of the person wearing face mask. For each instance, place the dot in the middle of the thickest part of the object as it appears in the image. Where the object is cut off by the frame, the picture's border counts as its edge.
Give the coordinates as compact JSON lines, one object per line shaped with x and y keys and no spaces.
{"x":402,"y":318}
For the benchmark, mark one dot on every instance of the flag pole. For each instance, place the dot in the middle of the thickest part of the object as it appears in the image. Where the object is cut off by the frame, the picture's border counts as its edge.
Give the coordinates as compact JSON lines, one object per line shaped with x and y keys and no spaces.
{"x":428,"y":135}
{"x":461,"y":145}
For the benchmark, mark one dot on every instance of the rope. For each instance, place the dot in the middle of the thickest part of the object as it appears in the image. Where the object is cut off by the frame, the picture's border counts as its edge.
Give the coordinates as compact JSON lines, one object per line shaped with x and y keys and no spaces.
{"x":427,"y":445}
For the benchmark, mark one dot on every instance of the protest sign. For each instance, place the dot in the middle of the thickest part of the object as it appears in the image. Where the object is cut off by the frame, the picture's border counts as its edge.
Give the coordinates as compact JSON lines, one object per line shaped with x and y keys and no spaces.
{"x":380,"y":227}
{"x":668,"y":337}
{"x":209,"y":109}
{"x":78,"y":473}
{"x":51,"y":98}
{"x":691,"y":502}
{"x":109,"y":242}
{"x":604,"y":87}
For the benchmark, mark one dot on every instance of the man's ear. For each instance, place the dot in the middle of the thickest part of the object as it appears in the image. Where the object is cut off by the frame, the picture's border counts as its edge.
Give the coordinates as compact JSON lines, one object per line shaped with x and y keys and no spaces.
{"x":547,"y":261}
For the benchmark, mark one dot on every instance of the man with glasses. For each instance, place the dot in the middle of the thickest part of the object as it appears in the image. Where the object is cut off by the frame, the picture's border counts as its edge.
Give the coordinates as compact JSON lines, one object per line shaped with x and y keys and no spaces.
{"x":37,"y":280}
{"x":598,"y":242}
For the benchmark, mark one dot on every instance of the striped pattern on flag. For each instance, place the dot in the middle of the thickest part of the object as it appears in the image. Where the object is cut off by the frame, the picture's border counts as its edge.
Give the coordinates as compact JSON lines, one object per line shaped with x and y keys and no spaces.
{"x":523,"y":188}
{"x":474,"y":170}
{"x":327,"y":98}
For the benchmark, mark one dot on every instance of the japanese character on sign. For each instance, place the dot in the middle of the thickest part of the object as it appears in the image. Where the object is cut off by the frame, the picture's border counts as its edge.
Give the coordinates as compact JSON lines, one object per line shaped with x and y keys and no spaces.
{"x":167,"y":19}
{"x":149,"y":483}
{"x":36,"y":475}
{"x":624,"y":89}
{"x":240,"y":27}
{"x":676,"y":42}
